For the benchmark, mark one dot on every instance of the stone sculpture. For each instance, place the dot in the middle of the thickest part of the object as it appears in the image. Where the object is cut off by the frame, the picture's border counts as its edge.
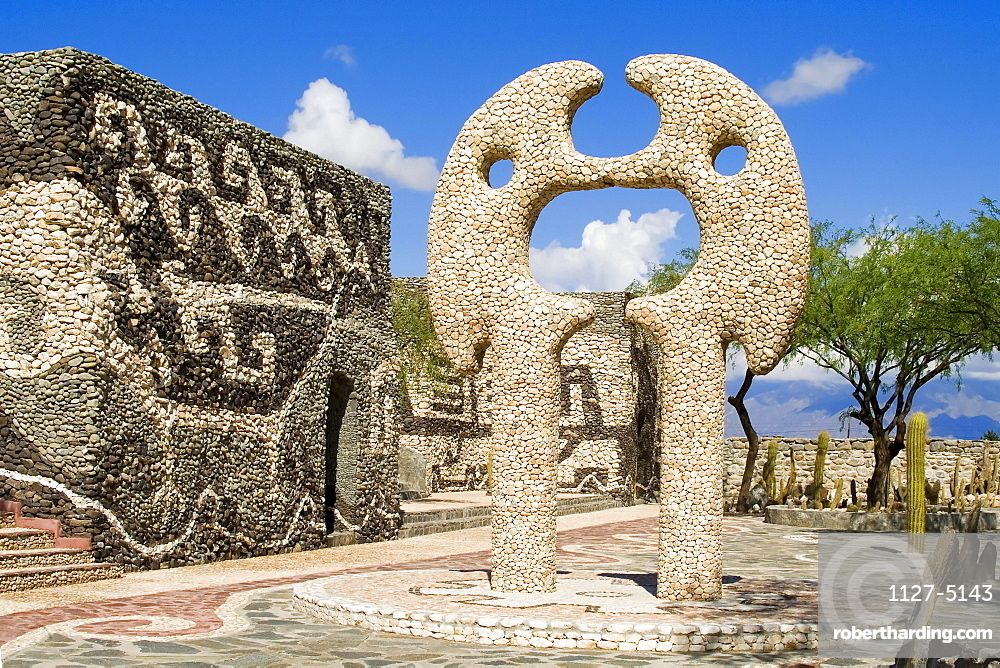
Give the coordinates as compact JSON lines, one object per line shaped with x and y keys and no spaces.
{"x":748,"y":286}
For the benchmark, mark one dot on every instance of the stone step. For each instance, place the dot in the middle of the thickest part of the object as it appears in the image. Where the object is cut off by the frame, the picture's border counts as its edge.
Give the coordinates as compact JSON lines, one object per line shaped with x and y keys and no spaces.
{"x":341,"y":538}
{"x":22,"y":579}
{"x":454,"y":519}
{"x":44,"y":556}
{"x":11,"y":517}
{"x":446,"y":514}
{"x":480,"y":519}
{"x":563,"y":507}
{"x":19,"y":538}
{"x":410,"y":529}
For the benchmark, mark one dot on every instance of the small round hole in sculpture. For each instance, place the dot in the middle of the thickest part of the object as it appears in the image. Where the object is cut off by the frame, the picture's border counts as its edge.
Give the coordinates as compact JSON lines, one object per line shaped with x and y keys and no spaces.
{"x":500,"y":173}
{"x":730,"y":160}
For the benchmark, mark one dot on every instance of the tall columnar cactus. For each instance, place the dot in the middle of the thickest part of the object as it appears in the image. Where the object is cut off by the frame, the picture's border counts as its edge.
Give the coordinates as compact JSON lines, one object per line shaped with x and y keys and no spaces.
{"x":916,"y":449}
{"x":822,"y":445}
{"x":989,"y":473}
{"x":770,"y":465}
{"x":995,"y":478}
{"x":956,"y":485}
{"x":838,"y":494}
{"x":790,"y":483}
{"x":978,"y":485}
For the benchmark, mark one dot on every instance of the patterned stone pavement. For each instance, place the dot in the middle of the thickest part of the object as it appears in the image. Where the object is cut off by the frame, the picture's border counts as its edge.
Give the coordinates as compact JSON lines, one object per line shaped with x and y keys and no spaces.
{"x":253,"y":623}
{"x":278,"y":635}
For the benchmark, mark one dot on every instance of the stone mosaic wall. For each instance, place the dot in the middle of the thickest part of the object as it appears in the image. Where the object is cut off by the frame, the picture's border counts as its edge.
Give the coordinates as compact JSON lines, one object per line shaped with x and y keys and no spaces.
{"x":853,"y":459}
{"x":191,"y":308}
{"x":606,"y":433}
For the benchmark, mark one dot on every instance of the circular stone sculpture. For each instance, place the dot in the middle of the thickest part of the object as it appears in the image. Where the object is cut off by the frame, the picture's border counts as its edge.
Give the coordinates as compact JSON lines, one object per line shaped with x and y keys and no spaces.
{"x":748,"y":286}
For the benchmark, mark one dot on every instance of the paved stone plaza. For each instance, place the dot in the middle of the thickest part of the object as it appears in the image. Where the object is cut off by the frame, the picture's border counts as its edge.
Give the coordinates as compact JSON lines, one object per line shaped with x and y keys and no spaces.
{"x":241,"y":613}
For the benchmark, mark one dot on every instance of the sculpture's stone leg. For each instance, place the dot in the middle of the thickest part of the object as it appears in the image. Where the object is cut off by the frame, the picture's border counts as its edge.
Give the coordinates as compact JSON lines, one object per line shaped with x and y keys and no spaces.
{"x":526,"y":444}
{"x":692,"y":408}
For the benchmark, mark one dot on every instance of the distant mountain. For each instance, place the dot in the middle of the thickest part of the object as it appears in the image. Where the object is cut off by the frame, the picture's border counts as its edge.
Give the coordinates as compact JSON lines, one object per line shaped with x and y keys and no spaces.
{"x":963,"y":427}
{"x":803,"y":409}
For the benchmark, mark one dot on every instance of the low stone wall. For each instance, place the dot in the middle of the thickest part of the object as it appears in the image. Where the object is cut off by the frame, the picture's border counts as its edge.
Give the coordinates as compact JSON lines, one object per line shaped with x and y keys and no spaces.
{"x":937,"y":520}
{"x":852,"y":459}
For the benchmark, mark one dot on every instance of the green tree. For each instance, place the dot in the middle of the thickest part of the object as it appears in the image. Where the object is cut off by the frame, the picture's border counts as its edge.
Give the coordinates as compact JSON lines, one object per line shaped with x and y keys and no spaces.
{"x":423,"y":357}
{"x":982,"y":256}
{"x":890,"y":309}
{"x":665,"y":277}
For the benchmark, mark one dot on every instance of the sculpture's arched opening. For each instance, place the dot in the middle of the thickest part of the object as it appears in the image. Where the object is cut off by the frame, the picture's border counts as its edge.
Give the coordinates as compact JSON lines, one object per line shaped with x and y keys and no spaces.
{"x":611,"y":240}
{"x":341,"y":452}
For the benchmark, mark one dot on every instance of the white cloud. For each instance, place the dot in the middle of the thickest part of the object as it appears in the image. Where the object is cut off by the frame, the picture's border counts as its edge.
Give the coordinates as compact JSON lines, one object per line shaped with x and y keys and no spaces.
{"x":778,"y":414}
{"x":341,"y":52}
{"x":964,"y":404}
{"x":795,"y":370}
{"x":861,"y":245}
{"x":982,"y":368}
{"x":825,"y":72}
{"x":324,"y":123}
{"x":610,"y":255}
{"x":858,"y":247}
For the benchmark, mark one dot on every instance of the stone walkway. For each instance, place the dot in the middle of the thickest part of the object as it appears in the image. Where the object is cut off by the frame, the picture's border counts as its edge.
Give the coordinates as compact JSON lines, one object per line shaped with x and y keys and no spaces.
{"x":240,"y":613}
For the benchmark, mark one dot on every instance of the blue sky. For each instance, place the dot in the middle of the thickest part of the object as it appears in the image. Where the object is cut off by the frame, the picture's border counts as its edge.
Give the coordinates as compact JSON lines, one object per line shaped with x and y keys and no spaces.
{"x":897,"y":117}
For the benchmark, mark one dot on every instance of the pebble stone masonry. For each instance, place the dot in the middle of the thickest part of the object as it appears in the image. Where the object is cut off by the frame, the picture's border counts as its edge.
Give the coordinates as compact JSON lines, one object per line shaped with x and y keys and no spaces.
{"x":606,"y":422}
{"x":747,"y":286}
{"x":193,"y":323}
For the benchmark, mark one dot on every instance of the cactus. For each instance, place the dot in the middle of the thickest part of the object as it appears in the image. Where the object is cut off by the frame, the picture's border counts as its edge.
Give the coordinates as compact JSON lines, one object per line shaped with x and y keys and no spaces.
{"x":838,"y":493}
{"x":954,"y":487}
{"x":854,"y":493}
{"x":916,"y":449}
{"x":822,"y":445}
{"x":986,"y":475}
{"x":933,"y":492}
{"x":896,"y":484}
{"x":790,"y":483}
{"x":990,"y":473}
{"x":995,"y":478}
{"x":770,"y":484}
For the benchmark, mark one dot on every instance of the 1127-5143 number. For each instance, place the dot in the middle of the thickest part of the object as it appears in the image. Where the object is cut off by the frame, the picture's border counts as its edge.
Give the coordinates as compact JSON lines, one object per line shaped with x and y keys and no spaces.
{"x":915,"y":593}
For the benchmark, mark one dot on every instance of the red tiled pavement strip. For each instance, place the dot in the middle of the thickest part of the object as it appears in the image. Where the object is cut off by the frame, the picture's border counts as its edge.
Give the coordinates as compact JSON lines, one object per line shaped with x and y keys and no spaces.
{"x":199,"y":605}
